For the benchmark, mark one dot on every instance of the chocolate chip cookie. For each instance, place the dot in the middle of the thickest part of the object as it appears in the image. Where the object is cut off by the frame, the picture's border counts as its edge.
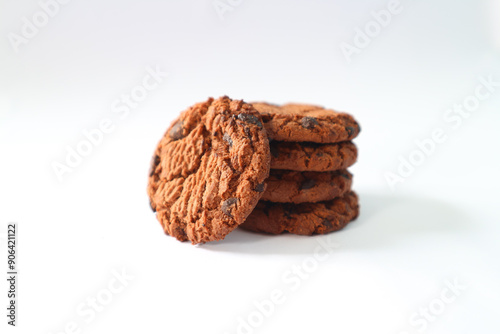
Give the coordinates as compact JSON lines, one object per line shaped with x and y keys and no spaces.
{"x":299,"y":187}
{"x":302,"y":122}
{"x":304,"y":218}
{"x":209,"y":169}
{"x":307,"y":156}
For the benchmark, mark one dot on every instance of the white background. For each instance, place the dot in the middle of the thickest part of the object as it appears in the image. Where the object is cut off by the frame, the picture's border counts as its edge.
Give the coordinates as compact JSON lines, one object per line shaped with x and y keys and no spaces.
{"x":442,"y":223}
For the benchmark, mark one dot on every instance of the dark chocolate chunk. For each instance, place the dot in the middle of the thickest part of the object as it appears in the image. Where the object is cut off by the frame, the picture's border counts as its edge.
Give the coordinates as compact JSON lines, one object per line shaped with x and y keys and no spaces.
{"x":227,"y":206}
{"x":248,"y":133}
{"x":309,"y":122}
{"x":260,"y":187}
{"x":176,"y":131}
{"x":248,"y":118}
{"x":307,"y":184}
{"x":227,"y":139}
{"x":327,"y":223}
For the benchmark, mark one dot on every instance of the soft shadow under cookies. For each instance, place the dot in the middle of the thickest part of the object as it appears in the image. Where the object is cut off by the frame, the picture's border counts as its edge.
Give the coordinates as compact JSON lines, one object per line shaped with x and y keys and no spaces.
{"x":385,"y":221}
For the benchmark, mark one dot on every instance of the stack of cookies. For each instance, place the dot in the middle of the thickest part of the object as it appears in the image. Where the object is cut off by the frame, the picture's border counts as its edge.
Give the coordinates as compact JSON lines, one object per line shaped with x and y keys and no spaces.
{"x":226,"y":163}
{"x":309,"y":188}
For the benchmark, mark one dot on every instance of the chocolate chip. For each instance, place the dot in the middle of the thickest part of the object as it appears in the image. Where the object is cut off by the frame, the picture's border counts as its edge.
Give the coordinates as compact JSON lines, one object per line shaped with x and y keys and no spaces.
{"x":319,"y":154}
{"x":248,"y":133}
{"x":327,"y":223}
{"x":156,"y":162}
{"x":260,"y":187}
{"x":248,"y":118}
{"x":227,"y":206}
{"x":307,"y":184}
{"x":176,"y":131}
{"x":227,"y":139}
{"x":350,"y":130}
{"x":309,"y":122}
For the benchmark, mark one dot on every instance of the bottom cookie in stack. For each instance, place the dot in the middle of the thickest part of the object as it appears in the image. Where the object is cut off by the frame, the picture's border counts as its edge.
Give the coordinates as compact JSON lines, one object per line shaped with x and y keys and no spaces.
{"x":303,"y":218}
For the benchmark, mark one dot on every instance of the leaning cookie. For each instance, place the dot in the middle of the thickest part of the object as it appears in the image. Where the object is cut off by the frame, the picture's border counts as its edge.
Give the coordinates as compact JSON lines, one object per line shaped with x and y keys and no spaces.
{"x":307,"y":156}
{"x":300,"y":187}
{"x":301,"y":122}
{"x":305,"y":218}
{"x":209,"y":169}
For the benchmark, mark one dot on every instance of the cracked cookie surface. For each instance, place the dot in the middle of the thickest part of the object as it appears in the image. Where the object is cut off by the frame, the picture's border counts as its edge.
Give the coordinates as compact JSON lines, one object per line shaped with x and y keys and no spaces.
{"x":302,"y":122}
{"x":307,"y":156}
{"x":208,"y":171}
{"x":299,"y":187}
{"x":304,"y":218}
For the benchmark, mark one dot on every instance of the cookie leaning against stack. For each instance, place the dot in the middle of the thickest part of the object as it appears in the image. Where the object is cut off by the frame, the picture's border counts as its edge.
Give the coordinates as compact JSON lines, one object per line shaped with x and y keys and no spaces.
{"x":309,"y":188}
{"x":208,"y":170}
{"x":216,"y":169}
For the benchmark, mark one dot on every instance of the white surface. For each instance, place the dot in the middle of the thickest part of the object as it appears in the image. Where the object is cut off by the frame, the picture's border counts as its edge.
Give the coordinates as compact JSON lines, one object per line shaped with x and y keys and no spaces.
{"x":441,"y":224}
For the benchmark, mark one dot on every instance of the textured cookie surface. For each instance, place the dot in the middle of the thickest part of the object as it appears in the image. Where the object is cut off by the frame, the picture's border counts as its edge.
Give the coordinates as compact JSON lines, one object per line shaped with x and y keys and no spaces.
{"x":208,"y":170}
{"x":305,"y":218}
{"x":298,"y":187}
{"x":307,"y":156}
{"x":301,"y":122}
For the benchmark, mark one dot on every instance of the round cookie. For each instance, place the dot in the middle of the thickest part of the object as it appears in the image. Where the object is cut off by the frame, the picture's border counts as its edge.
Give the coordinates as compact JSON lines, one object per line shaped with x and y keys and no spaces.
{"x":299,"y":187}
{"x":302,"y":122}
{"x":209,"y":169}
{"x":307,"y":156}
{"x":305,"y":218}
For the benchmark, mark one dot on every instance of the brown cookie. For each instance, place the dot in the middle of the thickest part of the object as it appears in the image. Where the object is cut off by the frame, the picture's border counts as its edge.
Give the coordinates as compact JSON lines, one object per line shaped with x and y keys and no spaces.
{"x":316,"y":157}
{"x":299,"y":187}
{"x":305,"y":218}
{"x":208,"y":170}
{"x":301,"y":122}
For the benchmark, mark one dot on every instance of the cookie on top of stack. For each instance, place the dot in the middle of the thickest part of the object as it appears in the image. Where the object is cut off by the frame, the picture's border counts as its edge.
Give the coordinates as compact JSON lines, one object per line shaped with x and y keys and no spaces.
{"x":309,"y":188}
{"x":226,"y":163}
